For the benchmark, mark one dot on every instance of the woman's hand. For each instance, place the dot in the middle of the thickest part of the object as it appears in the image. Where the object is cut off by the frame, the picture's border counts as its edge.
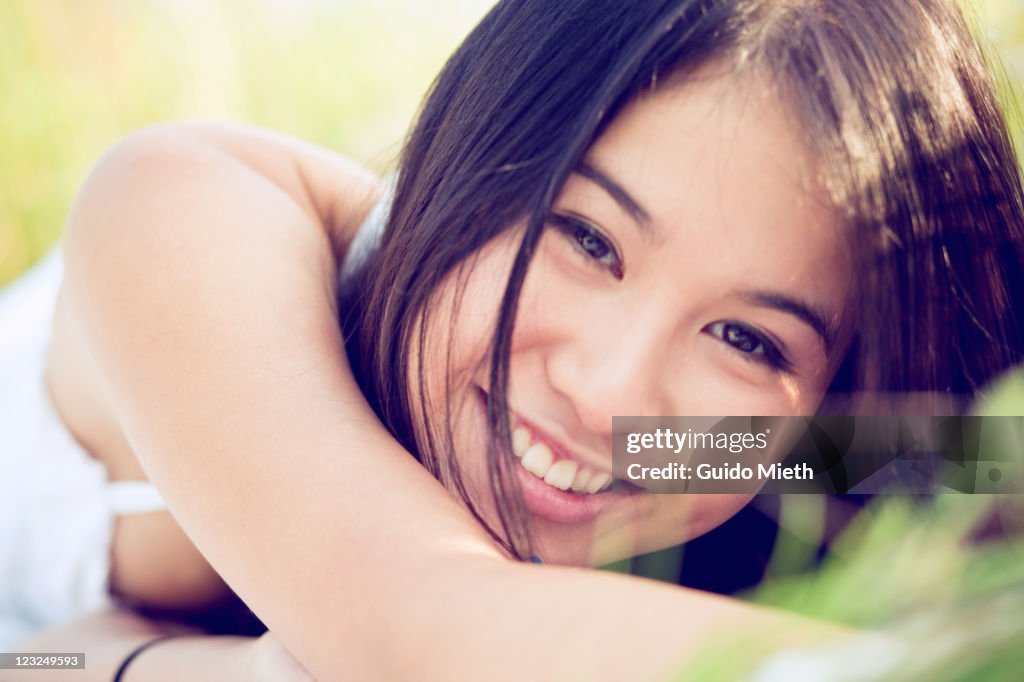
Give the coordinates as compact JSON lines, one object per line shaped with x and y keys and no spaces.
{"x":108,"y":638}
{"x":224,"y":658}
{"x":271,"y":662}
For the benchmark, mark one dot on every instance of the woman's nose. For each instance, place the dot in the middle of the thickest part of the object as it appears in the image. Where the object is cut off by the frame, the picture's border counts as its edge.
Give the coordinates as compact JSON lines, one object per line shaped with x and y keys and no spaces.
{"x":620,"y":372}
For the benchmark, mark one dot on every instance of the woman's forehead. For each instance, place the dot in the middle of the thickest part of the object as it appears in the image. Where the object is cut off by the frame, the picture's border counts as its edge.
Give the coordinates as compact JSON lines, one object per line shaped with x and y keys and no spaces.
{"x":727,"y":132}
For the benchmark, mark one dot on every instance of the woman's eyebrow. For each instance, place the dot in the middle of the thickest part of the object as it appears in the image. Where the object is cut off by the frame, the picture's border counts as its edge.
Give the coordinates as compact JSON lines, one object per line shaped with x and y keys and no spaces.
{"x":623,"y":198}
{"x":793,"y":306}
{"x":805,"y":312}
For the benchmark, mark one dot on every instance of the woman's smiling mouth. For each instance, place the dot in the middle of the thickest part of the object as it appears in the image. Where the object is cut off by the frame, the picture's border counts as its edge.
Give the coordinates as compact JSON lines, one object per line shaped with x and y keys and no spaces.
{"x":555,"y":484}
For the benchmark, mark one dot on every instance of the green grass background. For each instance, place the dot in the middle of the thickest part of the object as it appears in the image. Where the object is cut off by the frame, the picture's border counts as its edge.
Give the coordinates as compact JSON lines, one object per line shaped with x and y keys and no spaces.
{"x":75,"y":76}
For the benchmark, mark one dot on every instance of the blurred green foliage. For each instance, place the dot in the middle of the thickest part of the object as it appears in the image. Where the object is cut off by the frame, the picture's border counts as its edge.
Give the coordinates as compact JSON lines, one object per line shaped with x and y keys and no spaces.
{"x":347,"y":74}
{"x":932,"y":588}
{"x":75,"y":76}
{"x":928,"y":596}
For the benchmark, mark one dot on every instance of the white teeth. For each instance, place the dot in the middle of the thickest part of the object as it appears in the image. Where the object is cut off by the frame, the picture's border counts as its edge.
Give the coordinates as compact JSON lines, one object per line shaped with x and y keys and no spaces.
{"x":537,"y":459}
{"x":520,"y":441}
{"x":598,"y":481}
{"x":561,"y":474}
{"x":579,"y":482}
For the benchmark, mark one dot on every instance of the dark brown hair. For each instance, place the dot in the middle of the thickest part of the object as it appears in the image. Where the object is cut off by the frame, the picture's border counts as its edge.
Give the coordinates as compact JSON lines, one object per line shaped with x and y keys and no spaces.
{"x":895,"y":98}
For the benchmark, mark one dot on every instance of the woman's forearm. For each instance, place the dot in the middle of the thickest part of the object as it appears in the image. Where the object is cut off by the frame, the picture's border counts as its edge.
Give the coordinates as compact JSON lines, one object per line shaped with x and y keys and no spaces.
{"x":505,"y":621}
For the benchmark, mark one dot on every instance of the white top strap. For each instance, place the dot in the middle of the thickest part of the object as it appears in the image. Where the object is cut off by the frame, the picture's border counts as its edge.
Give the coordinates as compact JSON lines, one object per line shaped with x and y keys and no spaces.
{"x":135,"y":497}
{"x":369,"y":236}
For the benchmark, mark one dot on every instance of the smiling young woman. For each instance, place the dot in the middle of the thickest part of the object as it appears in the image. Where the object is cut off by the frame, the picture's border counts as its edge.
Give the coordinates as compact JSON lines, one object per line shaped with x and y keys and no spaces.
{"x":605,"y":208}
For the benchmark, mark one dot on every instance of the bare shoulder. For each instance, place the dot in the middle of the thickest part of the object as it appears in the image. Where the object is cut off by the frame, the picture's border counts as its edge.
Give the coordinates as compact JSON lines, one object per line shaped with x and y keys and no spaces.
{"x":182,"y":201}
{"x":166,"y":194}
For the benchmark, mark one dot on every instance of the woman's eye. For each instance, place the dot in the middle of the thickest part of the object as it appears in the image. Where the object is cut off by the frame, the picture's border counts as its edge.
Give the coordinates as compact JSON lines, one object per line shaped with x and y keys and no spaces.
{"x":592,"y":245}
{"x":590,"y":242}
{"x":750,"y":343}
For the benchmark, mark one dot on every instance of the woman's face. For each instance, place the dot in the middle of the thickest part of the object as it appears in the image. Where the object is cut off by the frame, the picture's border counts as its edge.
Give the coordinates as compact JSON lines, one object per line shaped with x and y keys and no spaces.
{"x":693,"y":267}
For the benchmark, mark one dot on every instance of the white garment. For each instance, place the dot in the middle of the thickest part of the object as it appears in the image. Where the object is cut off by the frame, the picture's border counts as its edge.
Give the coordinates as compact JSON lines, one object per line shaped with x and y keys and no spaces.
{"x":368,"y":238}
{"x":57,"y":507}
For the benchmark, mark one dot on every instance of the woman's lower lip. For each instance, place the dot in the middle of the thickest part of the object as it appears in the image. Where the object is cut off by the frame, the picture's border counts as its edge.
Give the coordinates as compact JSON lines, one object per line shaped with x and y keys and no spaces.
{"x":560,"y":506}
{"x":550,"y":503}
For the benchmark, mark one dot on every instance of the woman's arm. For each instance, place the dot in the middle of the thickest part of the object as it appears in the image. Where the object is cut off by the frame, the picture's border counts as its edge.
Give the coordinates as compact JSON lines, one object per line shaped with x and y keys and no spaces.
{"x":334,"y":192}
{"x":203,"y":288}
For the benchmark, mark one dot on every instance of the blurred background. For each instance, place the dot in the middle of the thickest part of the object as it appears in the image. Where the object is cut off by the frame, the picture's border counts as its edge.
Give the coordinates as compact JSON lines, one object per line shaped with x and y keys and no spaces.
{"x":347,"y":74}
{"x":75,"y":76}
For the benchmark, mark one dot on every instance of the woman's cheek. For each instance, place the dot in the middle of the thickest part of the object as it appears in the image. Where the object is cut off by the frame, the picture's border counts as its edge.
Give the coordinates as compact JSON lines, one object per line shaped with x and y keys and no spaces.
{"x":714,"y":386}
